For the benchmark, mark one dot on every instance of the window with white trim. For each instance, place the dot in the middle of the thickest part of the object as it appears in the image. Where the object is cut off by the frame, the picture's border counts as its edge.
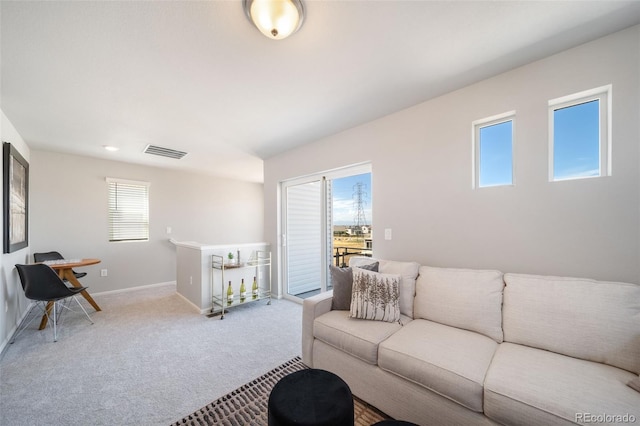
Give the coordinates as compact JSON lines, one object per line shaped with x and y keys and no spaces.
{"x":128,"y":210}
{"x":493,"y":150}
{"x":580,"y":135}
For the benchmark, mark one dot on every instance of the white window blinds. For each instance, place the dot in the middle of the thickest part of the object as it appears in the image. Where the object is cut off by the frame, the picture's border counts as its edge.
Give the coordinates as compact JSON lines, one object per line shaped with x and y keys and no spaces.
{"x":304,"y":237}
{"x":128,"y":210}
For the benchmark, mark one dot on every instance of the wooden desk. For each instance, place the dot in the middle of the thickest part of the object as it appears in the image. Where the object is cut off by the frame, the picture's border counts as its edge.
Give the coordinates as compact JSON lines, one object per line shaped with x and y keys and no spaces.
{"x":64,"y":268}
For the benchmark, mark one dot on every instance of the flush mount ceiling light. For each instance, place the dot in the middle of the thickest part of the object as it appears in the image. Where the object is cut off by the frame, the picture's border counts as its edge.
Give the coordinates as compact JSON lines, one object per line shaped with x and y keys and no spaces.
{"x":276,"y":19}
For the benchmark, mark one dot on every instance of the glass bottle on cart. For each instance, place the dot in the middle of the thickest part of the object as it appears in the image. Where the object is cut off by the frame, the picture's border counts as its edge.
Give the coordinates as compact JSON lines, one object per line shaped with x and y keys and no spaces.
{"x":229,"y":294}
{"x":254,"y":288}
{"x":243,"y":291}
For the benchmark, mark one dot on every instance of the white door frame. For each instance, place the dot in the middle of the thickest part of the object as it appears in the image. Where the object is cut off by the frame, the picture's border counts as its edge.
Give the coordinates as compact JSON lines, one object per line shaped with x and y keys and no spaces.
{"x":323,"y":177}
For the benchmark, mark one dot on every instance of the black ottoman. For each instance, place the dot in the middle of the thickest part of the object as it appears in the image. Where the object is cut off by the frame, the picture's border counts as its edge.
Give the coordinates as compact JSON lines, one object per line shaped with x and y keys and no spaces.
{"x":311,"y":397}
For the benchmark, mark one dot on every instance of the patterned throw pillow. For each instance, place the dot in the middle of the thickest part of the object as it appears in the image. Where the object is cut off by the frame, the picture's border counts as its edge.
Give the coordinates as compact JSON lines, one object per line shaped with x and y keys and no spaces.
{"x":375,"y":296}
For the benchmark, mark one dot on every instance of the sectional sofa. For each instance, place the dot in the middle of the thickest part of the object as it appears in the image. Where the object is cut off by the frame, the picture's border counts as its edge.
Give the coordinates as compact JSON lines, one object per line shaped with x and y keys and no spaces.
{"x":483,"y":347}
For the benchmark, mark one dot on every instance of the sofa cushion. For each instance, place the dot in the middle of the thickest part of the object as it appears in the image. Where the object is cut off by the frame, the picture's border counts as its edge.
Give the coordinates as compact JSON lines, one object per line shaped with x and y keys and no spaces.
{"x":535,"y":387}
{"x":463,"y":298}
{"x":447,"y":360}
{"x":375,"y":296}
{"x":408,"y":271}
{"x":342,"y":283}
{"x":592,"y":320}
{"x":635,"y":384}
{"x":357,"y":337}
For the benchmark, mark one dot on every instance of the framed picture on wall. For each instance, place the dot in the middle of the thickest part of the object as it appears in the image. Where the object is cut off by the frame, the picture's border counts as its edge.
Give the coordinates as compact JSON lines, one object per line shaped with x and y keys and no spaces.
{"x":15,"y":201}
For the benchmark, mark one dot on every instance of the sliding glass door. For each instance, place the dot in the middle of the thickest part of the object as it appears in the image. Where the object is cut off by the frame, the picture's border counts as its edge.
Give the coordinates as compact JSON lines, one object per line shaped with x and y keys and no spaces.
{"x":303,"y":237}
{"x":326,"y":219}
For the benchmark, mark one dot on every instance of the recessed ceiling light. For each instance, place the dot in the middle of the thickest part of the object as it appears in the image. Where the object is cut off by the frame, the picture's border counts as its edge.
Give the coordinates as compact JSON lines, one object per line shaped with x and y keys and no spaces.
{"x":110,"y":148}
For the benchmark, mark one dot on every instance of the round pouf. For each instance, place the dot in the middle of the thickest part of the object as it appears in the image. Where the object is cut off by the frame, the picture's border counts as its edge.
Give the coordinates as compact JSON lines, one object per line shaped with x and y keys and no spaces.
{"x":311,"y":397}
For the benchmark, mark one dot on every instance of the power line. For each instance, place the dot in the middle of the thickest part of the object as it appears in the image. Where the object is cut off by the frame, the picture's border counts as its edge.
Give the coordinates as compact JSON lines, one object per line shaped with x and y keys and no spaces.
{"x":360,"y":197}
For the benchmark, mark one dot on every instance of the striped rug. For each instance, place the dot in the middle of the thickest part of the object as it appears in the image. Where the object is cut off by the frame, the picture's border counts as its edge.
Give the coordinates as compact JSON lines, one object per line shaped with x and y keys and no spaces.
{"x":247,"y":405}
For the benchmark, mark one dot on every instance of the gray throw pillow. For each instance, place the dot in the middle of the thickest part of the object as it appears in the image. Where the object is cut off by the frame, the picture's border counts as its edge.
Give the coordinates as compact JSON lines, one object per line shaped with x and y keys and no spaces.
{"x":342,"y":282}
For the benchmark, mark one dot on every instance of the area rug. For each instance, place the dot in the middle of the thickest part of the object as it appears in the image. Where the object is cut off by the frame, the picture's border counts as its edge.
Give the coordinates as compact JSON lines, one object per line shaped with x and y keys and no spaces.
{"x":247,"y":405}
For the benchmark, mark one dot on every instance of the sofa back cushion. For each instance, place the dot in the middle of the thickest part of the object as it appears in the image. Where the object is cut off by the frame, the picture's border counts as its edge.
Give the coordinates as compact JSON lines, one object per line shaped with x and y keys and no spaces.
{"x":592,"y":320}
{"x":408,"y":272}
{"x":463,"y":298}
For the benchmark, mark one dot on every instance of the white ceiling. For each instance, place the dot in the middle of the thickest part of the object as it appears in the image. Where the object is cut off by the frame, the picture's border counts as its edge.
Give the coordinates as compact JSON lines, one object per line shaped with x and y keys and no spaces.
{"x":196,"y":76}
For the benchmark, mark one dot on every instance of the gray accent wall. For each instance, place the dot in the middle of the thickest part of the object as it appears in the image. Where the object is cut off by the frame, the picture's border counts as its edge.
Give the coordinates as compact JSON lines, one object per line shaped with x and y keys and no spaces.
{"x":422,"y":174}
{"x":68,"y":213}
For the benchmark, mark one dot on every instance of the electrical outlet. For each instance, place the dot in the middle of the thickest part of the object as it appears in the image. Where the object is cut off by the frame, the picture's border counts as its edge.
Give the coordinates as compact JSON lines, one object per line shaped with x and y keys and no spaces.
{"x":6,"y":306}
{"x":103,"y":272}
{"x":387,"y":233}
{"x":191,"y":280}
{"x":169,"y":230}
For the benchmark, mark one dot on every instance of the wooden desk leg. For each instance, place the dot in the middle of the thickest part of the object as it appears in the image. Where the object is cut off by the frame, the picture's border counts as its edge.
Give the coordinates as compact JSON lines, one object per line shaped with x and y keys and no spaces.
{"x":43,"y":322}
{"x":68,"y":274}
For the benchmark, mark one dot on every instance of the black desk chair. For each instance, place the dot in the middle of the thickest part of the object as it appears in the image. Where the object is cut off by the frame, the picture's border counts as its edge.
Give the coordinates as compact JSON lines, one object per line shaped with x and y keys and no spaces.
{"x":42,"y":285}
{"x":54,"y":255}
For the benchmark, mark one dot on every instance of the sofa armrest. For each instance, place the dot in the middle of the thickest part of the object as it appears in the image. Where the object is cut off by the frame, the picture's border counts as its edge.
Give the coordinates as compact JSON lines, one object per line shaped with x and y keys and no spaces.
{"x":312,"y":308}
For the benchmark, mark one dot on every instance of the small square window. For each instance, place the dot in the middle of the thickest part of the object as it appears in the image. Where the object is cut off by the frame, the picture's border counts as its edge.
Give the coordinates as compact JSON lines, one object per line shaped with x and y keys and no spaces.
{"x":579,"y":129}
{"x":493,"y":151}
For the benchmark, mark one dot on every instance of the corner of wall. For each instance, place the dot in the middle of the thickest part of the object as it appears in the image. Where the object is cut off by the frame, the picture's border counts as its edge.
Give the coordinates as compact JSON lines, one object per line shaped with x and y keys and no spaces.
{"x":13,"y":304}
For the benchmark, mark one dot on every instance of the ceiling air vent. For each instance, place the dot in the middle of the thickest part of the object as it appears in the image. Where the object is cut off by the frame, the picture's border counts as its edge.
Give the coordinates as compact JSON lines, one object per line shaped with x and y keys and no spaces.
{"x":164,"y":152}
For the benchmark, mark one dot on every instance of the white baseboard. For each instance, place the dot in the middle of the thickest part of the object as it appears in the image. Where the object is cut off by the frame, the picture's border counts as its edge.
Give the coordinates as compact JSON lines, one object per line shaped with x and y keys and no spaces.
{"x":124,"y":290}
{"x":6,"y":341}
{"x":202,"y":311}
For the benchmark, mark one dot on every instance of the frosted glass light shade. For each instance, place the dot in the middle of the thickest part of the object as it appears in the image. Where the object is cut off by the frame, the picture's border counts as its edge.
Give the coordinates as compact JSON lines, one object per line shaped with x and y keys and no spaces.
{"x":276,"y":19}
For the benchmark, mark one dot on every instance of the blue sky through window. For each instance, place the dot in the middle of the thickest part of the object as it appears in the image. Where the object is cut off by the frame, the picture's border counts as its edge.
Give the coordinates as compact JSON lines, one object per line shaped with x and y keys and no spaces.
{"x":343,"y":202}
{"x":576,"y":141}
{"x":496,"y":154}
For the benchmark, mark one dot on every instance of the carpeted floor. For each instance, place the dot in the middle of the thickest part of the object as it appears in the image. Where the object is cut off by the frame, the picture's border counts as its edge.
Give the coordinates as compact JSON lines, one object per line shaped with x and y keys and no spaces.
{"x":149,"y":359}
{"x":247,"y":405}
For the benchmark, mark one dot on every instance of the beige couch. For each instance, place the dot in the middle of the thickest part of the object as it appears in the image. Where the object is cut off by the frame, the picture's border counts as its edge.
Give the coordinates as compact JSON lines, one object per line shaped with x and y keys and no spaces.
{"x":482,"y":347}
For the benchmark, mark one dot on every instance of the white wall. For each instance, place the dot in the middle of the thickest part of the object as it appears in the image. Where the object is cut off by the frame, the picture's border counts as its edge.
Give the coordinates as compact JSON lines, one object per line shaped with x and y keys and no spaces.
{"x":12,"y":300}
{"x":69,"y":215}
{"x":421,"y":181}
